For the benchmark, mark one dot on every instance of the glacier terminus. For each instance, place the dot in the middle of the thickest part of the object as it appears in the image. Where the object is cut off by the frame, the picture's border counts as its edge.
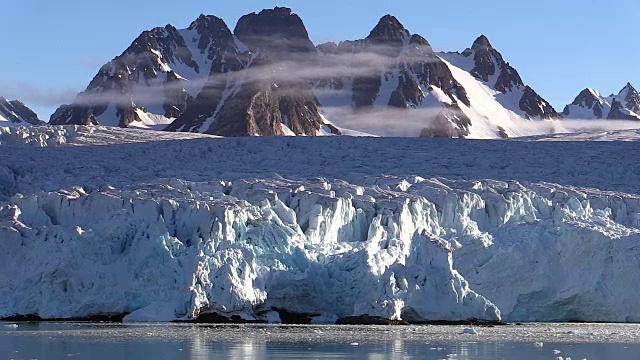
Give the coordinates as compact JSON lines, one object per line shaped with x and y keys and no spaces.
{"x":157,"y":226}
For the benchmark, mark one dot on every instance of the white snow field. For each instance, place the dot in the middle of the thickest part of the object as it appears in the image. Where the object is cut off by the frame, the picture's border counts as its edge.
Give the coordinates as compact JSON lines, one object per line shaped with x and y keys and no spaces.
{"x":165,"y":226}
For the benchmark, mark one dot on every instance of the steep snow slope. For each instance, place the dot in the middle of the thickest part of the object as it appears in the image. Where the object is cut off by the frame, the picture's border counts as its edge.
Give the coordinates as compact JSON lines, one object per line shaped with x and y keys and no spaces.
{"x":489,"y":115}
{"x":176,"y":229}
{"x":486,"y":64}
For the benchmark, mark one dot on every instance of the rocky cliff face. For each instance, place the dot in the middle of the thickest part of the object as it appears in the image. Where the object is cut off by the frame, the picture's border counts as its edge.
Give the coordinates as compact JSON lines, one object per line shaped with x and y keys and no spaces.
{"x":16,"y":113}
{"x":258,"y":98}
{"x":629,"y":98}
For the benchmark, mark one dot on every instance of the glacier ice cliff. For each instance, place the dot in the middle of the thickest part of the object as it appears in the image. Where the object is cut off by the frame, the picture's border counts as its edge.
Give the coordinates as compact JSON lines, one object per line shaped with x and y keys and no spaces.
{"x":401,"y":248}
{"x":98,"y":221}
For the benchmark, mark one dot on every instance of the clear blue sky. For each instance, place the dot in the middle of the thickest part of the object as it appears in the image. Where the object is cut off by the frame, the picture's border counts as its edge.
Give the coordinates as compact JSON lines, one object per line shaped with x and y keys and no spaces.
{"x":50,"y":50}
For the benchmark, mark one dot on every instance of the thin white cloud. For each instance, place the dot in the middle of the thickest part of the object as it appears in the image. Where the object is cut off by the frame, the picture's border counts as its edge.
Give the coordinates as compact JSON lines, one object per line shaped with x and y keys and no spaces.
{"x":388,"y":122}
{"x":301,"y":68}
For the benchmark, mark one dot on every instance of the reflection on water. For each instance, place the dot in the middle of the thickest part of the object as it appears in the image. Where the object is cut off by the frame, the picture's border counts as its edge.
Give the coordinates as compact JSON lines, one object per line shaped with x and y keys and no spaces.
{"x":103,"y":341}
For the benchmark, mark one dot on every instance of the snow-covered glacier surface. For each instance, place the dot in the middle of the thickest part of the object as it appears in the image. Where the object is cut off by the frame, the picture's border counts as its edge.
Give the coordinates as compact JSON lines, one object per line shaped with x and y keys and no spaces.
{"x":163,"y":230}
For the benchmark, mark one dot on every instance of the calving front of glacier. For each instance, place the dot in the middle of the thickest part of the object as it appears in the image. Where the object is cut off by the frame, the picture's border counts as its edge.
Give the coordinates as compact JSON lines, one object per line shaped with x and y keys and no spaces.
{"x":398,"y":247}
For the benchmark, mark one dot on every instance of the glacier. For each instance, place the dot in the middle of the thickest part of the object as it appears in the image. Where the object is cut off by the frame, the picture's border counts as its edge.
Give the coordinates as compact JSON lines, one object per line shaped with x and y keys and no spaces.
{"x":163,"y":227}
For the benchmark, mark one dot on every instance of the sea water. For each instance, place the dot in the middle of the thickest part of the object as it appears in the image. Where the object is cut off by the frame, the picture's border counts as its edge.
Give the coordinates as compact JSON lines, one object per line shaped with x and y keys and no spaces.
{"x":99,"y":341}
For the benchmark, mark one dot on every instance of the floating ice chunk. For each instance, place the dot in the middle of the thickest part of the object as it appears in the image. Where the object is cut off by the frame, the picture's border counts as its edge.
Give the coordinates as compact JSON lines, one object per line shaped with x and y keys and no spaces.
{"x":469,"y":331}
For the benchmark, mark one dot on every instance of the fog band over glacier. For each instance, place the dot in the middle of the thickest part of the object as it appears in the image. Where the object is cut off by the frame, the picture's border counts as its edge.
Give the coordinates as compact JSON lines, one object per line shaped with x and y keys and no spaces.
{"x":399,"y":228}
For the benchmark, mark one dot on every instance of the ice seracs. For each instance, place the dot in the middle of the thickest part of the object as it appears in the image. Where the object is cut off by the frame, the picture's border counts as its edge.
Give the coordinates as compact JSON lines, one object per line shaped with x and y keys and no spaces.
{"x":245,"y":249}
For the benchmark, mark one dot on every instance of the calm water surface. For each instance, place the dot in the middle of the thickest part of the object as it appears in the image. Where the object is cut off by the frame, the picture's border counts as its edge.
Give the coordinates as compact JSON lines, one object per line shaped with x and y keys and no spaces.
{"x":163,"y":341}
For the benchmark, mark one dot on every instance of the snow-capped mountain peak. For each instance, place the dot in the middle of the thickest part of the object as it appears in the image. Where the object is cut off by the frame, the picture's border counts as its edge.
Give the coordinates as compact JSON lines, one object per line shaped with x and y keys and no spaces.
{"x":268,"y":78}
{"x":393,"y":69}
{"x":481,"y":43}
{"x":154,"y":80}
{"x":211,"y":33}
{"x":16,"y":113}
{"x":488,"y":66}
{"x":589,"y":104}
{"x":390,"y":32}
{"x":257,"y":96}
{"x":630,"y":98}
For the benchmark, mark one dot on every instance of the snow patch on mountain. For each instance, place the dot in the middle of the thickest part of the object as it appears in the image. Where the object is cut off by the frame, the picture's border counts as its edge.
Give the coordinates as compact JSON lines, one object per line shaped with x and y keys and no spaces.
{"x":488,"y":113}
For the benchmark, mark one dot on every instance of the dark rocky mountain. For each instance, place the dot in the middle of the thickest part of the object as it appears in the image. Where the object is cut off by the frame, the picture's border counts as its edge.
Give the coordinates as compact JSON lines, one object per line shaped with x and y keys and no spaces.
{"x":279,"y":33}
{"x":629,"y":98}
{"x":268,"y":78}
{"x":265,"y":101}
{"x":16,"y":113}
{"x":535,"y":106}
{"x":405,"y":71}
{"x":588,"y":102}
{"x":142,"y":80}
{"x":488,"y":62}
{"x":201,"y":79}
{"x":589,"y":105}
{"x":619,"y":112}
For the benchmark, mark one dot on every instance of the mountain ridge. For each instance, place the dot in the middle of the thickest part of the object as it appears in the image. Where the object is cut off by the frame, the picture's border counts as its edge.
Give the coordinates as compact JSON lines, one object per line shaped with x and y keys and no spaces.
{"x":16,"y":113}
{"x":266,"y":77}
{"x":591,"y":105}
